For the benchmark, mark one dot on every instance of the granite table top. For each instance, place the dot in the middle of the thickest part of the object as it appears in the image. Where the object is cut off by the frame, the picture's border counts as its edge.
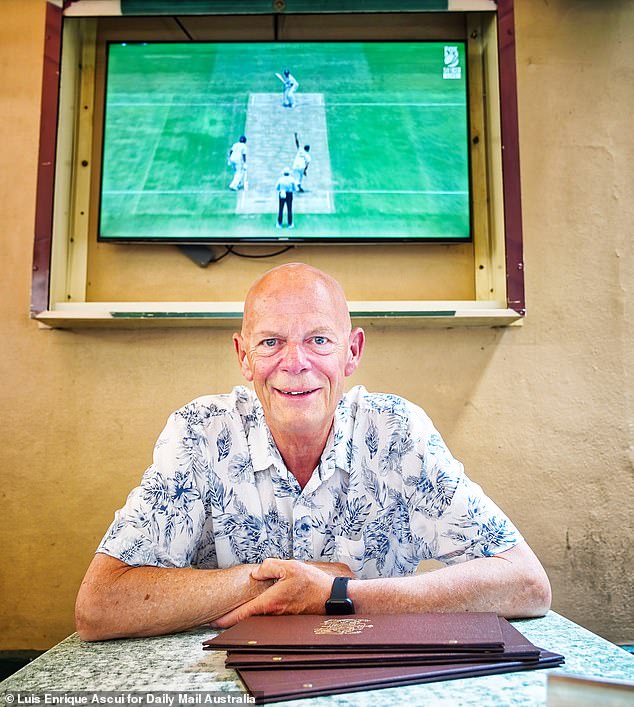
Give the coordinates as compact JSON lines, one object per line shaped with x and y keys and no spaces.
{"x":177,"y":664}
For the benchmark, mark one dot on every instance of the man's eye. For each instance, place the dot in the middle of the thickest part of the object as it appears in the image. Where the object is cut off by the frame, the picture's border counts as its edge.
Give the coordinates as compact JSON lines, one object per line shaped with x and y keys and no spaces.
{"x":320,"y":340}
{"x":269,"y":343}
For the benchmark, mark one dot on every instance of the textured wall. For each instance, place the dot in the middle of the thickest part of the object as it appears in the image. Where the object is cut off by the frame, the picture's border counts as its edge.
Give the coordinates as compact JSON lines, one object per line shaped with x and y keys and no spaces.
{"x":541,"y":414}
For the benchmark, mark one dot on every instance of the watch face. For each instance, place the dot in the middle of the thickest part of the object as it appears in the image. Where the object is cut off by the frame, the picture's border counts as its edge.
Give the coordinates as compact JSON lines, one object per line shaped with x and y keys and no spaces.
{"x":339,"y":606}
{"x":339,"y":601}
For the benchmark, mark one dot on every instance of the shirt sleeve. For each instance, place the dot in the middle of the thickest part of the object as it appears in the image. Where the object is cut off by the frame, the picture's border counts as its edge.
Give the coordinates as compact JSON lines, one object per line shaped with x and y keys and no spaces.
{"x":163,"y":518}
{"x":453,"y":515}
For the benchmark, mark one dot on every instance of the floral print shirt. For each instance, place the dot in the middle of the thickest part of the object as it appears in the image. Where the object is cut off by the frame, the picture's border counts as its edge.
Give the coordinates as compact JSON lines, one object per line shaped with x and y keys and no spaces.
{"x":387,"y":493}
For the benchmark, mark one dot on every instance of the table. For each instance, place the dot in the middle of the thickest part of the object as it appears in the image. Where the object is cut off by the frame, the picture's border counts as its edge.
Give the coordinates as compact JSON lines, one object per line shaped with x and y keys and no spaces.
{"x":177,"y":663}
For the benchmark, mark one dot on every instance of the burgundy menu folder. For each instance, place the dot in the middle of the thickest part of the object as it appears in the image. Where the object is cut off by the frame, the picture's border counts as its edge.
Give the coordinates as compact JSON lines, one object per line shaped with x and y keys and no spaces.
{"x":277,"y":685}
{"x":516,"y":647}
{"x":385,"y":632}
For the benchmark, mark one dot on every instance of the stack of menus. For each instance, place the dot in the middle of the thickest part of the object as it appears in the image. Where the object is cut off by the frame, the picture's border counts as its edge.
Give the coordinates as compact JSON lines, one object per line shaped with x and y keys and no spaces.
{"x":289,"y":657}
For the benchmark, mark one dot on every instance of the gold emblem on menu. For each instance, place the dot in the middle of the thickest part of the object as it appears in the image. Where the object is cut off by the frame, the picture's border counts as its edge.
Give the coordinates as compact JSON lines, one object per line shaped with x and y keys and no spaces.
{"x":342,"y":627}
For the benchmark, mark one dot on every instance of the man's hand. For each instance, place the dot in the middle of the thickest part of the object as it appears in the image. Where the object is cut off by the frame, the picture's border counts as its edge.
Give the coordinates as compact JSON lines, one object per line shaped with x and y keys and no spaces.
{"x":300,"y":588}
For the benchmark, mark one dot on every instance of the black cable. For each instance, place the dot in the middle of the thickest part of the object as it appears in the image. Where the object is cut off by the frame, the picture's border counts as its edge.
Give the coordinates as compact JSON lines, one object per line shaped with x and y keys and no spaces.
{"x":224,"y":255}
{"x":244,"y":255}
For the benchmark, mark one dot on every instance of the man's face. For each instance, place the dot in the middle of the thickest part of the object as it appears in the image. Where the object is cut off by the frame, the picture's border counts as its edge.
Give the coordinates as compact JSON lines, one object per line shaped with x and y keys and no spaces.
{"x":296,"y":347}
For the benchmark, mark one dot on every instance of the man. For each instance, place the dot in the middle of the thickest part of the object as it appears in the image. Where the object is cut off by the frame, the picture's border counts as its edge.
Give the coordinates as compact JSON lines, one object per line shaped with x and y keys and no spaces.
{"x":357,"y":486}
{"x":300,"y":163}
{"x":290,"y":86}
{"x":285,"y":188}
{"x":238,"y":160}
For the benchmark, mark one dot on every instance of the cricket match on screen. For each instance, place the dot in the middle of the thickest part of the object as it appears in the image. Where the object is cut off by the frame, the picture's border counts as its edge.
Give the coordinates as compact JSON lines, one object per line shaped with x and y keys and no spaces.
{"x":300,"y":141}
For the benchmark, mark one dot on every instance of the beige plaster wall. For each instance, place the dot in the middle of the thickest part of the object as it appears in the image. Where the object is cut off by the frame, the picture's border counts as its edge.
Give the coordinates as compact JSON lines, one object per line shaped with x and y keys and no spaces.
{"x":541,"y":415}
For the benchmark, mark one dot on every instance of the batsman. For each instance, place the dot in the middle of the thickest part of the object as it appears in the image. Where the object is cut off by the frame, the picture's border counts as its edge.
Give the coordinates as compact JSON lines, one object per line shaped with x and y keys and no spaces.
{"x":290,"y":86}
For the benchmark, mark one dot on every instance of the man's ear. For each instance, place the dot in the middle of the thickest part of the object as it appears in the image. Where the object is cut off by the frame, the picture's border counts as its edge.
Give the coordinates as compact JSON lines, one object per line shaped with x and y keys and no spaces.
{"x":355,"y":350}
{"x":245,"y":366}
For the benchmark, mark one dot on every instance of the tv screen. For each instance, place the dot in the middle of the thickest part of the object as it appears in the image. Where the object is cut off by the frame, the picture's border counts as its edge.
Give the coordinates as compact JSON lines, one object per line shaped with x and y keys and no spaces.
{"x":198,"y":135}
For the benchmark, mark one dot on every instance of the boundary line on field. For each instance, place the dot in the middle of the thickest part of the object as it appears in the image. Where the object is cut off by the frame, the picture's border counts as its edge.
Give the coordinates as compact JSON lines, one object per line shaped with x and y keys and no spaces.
{"x":417,"y":104}
{"x":430,"y":192}
{"x":122,"y":104}
{"x":208,"y":192}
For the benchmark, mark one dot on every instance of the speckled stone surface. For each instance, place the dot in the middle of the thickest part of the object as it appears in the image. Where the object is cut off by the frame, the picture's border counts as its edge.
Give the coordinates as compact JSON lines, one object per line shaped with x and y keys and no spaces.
{"x":178,"y":663}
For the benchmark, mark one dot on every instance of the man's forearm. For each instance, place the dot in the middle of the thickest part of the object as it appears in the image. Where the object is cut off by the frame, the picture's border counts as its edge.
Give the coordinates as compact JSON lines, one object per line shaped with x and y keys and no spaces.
{"x":512,"y":584}
{"x":116,"y":600}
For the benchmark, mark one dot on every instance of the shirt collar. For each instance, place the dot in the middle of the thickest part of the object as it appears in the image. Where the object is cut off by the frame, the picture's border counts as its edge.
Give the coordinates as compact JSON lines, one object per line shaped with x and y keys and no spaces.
{"x":265,"y":454}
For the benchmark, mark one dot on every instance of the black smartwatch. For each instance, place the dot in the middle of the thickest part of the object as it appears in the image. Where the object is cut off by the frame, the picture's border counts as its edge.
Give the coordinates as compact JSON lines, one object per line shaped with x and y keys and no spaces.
{"x":339,"y":602}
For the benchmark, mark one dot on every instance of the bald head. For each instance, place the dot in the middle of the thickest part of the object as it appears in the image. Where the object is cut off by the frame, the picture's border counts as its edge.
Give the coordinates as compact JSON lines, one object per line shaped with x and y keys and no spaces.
{"x":297,"y":347}
{"x":293,"y":283}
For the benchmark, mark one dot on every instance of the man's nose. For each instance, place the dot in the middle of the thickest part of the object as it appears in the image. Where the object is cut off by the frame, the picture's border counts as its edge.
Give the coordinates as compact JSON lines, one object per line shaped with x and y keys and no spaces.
{"x":294,"y":359}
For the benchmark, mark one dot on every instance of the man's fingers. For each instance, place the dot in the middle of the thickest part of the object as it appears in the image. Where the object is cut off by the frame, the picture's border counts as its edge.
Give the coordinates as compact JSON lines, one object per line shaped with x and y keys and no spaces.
{"x":254,"y":607}
{"x":271,"y":568}
{"x":297,"y":588}
{"x":233,"y":617}
{"x":265,"y":603}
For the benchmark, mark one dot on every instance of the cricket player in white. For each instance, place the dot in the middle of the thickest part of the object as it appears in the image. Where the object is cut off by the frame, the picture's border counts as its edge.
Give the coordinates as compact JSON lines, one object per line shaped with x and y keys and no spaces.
{"x":290,"y":86}
{"x":300,"y":163}
{"x":238,"y":160}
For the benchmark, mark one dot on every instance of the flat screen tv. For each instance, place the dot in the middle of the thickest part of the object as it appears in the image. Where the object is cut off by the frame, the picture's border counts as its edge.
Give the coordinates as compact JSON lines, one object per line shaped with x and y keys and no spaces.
{"x":386,"y":122}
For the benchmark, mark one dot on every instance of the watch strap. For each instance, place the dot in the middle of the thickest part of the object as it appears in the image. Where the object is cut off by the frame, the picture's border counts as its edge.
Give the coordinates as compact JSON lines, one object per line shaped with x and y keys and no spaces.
{"x":339,"y":590}
{"x":339,"y":601}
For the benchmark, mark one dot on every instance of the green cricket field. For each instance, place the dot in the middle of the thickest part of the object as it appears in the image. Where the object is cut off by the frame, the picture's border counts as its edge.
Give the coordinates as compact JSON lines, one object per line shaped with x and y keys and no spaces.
{"x":388,"y":138}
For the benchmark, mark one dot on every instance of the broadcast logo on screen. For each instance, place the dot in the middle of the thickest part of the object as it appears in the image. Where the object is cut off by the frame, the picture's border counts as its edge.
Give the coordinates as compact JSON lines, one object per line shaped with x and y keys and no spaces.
{"x":451,"y":69}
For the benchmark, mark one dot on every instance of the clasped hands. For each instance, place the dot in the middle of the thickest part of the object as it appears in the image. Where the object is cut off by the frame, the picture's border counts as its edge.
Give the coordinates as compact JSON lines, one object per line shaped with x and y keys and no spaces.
{"x":294,"y":587}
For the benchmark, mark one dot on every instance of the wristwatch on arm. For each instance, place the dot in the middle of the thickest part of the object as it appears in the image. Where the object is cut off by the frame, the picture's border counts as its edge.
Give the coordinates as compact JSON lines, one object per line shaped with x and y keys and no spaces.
{"x":339,"y":602}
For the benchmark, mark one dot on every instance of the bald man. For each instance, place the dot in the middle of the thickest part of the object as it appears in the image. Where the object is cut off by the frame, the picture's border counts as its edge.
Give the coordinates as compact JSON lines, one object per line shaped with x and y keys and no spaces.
{"x":295,"y":497}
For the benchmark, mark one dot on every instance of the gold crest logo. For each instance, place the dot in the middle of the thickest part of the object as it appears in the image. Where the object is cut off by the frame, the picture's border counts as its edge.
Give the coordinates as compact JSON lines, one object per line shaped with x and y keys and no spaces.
{"x":342,"y":627}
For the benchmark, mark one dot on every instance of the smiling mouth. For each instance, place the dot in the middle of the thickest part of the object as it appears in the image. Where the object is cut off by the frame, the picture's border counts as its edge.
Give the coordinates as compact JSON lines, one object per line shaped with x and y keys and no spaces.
{"x":296,"y":393}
